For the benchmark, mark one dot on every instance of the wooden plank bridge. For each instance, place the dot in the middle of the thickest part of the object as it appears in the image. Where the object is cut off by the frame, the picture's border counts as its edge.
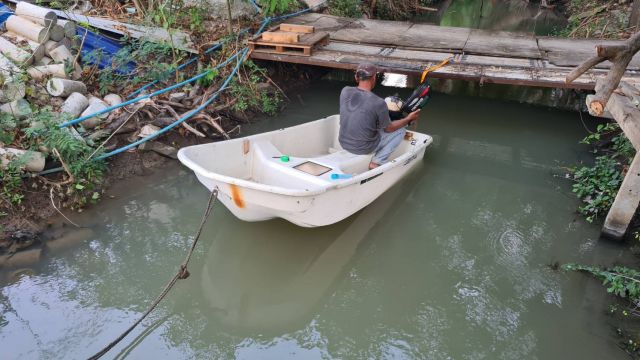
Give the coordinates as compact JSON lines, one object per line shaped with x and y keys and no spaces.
{"x":486,"y":56}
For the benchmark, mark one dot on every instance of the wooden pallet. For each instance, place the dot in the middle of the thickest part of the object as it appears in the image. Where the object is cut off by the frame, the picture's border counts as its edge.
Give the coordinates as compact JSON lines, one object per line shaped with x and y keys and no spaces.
{"x":307,"y":40}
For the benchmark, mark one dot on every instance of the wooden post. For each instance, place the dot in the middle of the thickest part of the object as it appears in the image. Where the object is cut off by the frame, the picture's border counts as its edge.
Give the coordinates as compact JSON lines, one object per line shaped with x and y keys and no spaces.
{"x":625,"y":204}
{"x":619,"y":100}
{"x":634,"y":18}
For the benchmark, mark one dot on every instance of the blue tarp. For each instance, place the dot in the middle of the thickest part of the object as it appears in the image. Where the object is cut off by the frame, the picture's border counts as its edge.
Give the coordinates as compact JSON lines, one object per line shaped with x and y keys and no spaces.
{"x":105,"y":49}
{"x":5,"y":12}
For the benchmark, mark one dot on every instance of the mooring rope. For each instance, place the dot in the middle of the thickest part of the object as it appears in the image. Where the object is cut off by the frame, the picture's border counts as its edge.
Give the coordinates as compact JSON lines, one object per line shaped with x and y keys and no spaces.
{"x":182,"y":273}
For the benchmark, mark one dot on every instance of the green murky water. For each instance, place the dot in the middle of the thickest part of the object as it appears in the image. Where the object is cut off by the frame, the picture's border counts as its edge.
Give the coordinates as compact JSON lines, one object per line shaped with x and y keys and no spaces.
{"x":452,"y":263}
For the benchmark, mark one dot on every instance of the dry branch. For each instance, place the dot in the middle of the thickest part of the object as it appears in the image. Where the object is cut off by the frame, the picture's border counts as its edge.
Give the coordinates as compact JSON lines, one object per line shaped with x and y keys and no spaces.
{"x":620,"y":56}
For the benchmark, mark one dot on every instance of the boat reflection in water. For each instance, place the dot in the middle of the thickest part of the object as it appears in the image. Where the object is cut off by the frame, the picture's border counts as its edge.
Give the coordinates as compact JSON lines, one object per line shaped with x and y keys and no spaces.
{"x":269,"y":276}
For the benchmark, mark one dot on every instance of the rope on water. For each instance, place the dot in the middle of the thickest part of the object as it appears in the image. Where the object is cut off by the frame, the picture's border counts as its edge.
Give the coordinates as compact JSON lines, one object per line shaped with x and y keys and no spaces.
{"x":182,"y":273}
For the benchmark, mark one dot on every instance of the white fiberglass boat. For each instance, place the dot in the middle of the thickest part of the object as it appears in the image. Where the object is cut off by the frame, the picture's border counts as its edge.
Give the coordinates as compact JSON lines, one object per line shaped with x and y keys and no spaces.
{"x":300,"y":173}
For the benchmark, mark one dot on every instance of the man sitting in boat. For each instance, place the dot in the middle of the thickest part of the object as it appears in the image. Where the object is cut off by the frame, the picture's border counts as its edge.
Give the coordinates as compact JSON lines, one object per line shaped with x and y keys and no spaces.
{"x":365,"y":126}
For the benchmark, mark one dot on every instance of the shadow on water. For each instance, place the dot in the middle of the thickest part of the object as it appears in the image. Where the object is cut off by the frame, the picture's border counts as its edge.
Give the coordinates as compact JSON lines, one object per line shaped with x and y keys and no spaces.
{"x":257,"y":278}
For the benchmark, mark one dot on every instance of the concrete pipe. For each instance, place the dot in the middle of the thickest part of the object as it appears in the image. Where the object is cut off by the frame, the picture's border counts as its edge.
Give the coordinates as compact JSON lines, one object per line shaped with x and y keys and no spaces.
{"x":11,"y":51}
{"x":44,"y":61}
{"x":61,"y":54}
{"x":95,"y":104}
{"x":37,"y":14}
{"x":43,"y":71}
{"x":37,"y":50}
{"x":19,"y":108}
{"x":33,"y":160}
{"x":74,"y":105}
{"x":49,"y":46}
{"x":11,"y":89}
{"x":56,"y":33}
{"x":28,"y":29}
{"x":64,"y":87}
{"x":69,"y":28}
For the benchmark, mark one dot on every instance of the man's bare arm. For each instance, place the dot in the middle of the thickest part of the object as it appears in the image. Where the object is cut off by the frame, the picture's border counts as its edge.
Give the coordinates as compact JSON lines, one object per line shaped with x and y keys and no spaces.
{"x":397,"y":124}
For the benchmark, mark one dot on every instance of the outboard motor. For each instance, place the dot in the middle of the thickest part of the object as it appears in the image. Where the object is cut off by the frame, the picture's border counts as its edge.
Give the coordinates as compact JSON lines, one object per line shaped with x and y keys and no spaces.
{"x":417,"y":100}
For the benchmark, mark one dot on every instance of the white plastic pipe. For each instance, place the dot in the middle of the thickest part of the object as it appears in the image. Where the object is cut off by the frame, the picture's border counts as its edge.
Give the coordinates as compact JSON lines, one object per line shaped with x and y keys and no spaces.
{"x":64,"y":87}
{"x":36,"y":14}
{"x":28,"y":29}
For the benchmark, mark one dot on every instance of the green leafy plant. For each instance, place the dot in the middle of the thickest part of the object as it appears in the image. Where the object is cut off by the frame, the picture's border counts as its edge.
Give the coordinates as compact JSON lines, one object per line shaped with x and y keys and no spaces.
{"x":347,"y":8}
{"x":154,"y":62}
{"x":597,"y":185}
{"x":249,"y":96}
{"x":12,"y":184}
{"x":621,"y":281}
{"x":277,"y":6}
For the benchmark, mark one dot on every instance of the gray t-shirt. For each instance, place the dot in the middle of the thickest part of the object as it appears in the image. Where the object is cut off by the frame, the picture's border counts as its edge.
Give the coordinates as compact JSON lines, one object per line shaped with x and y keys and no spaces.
{"x":362,"y":115}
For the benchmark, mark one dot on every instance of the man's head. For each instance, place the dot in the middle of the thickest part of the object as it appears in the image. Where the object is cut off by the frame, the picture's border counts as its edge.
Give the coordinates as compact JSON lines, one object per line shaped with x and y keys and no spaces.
{"x":366,"y":75}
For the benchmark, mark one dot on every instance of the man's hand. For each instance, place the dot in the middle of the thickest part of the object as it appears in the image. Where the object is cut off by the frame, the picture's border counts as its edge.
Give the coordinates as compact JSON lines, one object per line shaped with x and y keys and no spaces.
{"x":397,"y":124}
{"x":413,"y":116}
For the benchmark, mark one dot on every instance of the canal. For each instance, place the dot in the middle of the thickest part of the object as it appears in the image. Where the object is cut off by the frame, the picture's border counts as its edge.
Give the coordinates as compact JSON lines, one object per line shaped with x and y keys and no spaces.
{"x":452,"y":263}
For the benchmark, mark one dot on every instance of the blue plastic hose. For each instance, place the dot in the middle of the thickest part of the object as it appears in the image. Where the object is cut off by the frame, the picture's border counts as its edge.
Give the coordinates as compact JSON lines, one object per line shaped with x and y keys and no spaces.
{"x":185,"y":116}
{"x":162,"y":91}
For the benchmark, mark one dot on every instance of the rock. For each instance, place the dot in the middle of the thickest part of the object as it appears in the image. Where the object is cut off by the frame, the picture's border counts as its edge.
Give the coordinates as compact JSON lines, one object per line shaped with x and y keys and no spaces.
{"x":177,"y":97}
{"x":316,"y":4}
{"x":160,"y":148}
{"x":31,"y":160}
{"x":218,"y":8}
{"x":113,"y":99}
{"x":69,"y":239}
{"x":148,"y":130}
{"x":21,"y":258}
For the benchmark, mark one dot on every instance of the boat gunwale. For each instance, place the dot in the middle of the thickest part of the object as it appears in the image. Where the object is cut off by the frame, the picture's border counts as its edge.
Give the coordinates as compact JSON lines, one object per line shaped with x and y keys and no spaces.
{"x":298,"y":192}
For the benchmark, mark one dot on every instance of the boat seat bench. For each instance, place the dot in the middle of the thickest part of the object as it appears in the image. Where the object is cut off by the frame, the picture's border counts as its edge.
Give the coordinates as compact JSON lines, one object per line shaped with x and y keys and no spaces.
{"x":269,"y":155}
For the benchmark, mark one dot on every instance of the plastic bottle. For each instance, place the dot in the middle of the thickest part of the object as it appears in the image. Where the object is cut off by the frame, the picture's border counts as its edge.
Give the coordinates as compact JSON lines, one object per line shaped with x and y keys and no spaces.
{"x":341,"y":176}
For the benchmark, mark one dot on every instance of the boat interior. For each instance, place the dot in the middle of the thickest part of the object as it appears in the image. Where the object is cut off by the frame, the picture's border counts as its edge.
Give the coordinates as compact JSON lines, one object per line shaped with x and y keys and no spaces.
{"x":307,"y":156}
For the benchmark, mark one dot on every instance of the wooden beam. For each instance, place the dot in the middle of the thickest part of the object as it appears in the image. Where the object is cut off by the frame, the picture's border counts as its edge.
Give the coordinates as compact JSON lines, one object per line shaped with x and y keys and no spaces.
{"x":306,"y":29}
{"x":624,"y":111}
{"x":625,"y":204}
{"x":281,"y":37}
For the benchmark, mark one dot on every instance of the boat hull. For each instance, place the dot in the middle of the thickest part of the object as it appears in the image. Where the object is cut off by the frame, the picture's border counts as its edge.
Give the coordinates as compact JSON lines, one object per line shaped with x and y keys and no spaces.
{"x":317,"y":205}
